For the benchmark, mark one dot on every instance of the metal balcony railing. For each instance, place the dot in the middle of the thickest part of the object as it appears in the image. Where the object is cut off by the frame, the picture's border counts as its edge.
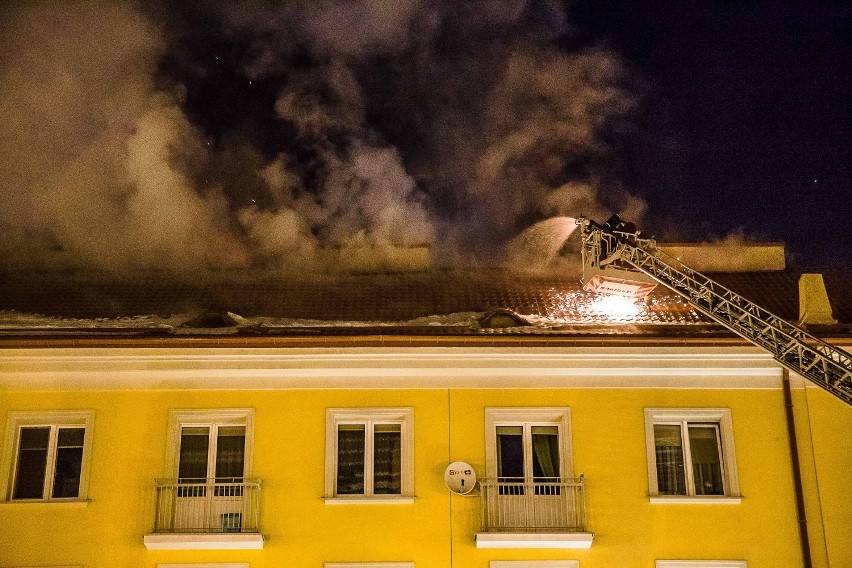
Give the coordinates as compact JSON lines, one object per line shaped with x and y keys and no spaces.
{"x":207,"y":505}
{"x":533,"y":505}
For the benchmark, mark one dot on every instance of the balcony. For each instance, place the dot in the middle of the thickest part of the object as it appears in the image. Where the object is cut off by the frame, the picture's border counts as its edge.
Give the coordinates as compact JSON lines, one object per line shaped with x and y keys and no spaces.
{"x":206,"y":514}
{"x":540,"y":513}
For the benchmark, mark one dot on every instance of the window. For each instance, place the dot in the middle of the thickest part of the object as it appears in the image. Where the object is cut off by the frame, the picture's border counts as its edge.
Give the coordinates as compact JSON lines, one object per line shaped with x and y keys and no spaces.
{"x":210,"y":445}
{"x":527,"y":445}
{"x":47,"y":455}
{"x":369,"y":453}
{"x":690,"y":454}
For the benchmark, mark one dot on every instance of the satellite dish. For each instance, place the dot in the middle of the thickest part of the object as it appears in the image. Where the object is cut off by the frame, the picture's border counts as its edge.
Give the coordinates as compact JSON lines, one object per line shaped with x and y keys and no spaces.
{"x":460,"y":477}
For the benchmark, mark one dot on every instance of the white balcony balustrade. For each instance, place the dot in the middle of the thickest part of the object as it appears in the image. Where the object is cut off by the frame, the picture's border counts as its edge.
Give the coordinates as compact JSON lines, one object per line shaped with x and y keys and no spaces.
{"x":207,"y":506}
{"x":546,"y":505}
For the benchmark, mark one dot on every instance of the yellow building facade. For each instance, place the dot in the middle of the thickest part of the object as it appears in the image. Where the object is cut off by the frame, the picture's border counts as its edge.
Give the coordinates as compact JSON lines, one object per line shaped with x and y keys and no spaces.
{"x":571,"y":444}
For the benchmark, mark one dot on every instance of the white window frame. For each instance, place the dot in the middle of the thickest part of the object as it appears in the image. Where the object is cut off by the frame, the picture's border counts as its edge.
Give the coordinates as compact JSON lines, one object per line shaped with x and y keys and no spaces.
{"x":53,"y":419}
{"x":700,"y":564}
{"x":534,"y":564}
{"x":368,"y":565}
{"x":344,"y":416}
{"x":207,"y":565}
{"x":53,"y":566}
{"x":720,"y":416}
{"x":529,"y":416}
{"x":180,"y":418}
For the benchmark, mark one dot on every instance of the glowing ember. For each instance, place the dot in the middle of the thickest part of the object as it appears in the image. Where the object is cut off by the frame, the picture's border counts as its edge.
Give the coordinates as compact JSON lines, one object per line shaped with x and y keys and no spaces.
{"x":616,"y":307}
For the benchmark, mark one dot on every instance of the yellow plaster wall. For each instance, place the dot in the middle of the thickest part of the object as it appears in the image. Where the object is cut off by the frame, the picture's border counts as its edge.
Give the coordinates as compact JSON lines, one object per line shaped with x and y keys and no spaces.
{"x":609,"y":448}
{"x":302,"y":531}
{"x":829,"y":426}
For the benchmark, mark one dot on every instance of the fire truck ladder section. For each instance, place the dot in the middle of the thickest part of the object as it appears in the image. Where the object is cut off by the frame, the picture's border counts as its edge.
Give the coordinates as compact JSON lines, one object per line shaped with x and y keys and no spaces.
{"x":619,"y":256}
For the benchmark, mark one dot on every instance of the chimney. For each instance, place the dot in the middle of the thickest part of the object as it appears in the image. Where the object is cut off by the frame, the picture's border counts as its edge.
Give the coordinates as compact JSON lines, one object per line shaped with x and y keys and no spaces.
{"x":814,"y":307}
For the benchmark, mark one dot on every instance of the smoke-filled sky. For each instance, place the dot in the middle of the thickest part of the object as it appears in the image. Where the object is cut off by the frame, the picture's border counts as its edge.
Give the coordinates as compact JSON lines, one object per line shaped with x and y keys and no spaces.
{"x":181,"y":137}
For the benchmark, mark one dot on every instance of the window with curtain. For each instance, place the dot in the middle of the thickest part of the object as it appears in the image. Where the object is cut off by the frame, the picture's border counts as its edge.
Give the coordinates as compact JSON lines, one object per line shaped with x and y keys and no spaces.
{"x":211,"y":452}
{"x":369,"y":453}
{"x":688,"y":459}
{"x":369,"y":459}
{"x":528,"y":453}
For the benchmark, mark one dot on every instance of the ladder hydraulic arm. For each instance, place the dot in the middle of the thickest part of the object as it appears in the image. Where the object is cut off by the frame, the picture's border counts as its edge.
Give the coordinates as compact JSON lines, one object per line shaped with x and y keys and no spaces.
{"x":618,"y":248}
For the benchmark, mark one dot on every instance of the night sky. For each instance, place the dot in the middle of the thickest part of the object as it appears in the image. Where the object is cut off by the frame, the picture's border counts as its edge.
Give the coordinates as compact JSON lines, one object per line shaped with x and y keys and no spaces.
{"x":181,"y":137}
{"x":746,"y":121}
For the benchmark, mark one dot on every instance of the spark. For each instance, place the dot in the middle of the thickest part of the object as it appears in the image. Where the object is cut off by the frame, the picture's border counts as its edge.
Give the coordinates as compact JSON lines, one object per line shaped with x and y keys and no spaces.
{"x":616,"y":307}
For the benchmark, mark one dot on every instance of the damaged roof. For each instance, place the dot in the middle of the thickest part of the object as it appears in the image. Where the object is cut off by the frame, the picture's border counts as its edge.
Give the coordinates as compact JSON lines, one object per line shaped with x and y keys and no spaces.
{"x":437,"y":302}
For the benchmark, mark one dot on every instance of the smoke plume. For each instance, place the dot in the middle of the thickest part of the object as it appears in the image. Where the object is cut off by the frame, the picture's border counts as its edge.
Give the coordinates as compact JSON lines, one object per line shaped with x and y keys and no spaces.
{"x":184,"y":138}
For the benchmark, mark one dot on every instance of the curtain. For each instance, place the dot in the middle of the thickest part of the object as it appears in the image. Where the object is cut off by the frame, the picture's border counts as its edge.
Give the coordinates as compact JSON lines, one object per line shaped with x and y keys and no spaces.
{"x":350,"y":460}
{"x":668,"y":447}
{"x":706,"y":462}
{"x":387,"y":460}
{"x":230,"y":454}
{"x":192,"y":467}
{"x":670,"y":471}
{"x":545,"y":454}
{"x":545,"y":450}
{"x":194,"y":442}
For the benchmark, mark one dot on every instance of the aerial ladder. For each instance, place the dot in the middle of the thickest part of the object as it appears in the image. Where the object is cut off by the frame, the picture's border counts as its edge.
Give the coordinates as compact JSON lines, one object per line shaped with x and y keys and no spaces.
{"x":618,"y":259}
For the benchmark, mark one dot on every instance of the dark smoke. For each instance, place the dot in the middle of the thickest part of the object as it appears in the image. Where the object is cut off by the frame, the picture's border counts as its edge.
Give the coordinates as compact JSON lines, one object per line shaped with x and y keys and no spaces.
{"x":181,"y":137}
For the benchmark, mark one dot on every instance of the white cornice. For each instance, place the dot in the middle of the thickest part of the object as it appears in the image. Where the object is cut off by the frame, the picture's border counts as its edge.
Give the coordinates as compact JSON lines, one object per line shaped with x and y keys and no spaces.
{"x":420,"y":367}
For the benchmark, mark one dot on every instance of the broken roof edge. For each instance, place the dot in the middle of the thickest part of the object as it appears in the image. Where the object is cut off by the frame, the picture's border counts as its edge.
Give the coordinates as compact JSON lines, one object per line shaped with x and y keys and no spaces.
{"x":711,"y":336}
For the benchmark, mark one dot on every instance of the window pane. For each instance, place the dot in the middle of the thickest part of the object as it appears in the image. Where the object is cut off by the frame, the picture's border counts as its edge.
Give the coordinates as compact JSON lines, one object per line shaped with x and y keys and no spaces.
{"x":32,"y":460}
{"x":706,"y":462}
{"x":230,"y":453}
{"x":668,"y":446}
{"x":69,"y":461}
{"x":350,"y":459}
{"x":510,"y":453}
{"x":194,"y":443}
{"x":387,"y":449}
{"x":545,"y":441}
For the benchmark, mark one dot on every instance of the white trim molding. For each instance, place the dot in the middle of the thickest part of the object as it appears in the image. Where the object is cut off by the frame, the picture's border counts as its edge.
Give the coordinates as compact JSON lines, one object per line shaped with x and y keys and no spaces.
{"x":700,"y":564}
{"x":404,"y":417}
{"x":372,"y":500}
{"x":368,"y":565}
{"x":534,"y":540}
{"x":720,"y":416}
{"x":175,"y":368}
{"x":534,"y":564}
{"x":207,"y":565}
{"x":53,"y":419}
{"x":218,"y":541}
{"x":695,"y":500}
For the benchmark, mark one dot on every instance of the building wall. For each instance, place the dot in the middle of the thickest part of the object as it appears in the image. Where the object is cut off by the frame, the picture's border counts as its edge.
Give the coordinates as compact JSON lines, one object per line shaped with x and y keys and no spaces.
{"x":608,"y":435}
{"x":823,"y":425}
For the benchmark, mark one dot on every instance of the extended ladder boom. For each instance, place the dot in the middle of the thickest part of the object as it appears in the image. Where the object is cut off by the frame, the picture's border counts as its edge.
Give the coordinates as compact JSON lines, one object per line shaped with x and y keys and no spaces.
{"x":623,"y":249}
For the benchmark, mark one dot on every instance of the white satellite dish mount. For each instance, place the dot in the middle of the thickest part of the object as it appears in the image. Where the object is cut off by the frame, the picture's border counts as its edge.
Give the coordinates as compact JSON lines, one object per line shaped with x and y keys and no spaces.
{"x":460,"y":477}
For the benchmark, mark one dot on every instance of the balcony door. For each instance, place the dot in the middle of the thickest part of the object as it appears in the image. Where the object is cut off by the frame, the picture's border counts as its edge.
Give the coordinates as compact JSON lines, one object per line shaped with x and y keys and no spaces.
{"x":211,"y":468}
{"x":528,"y":469}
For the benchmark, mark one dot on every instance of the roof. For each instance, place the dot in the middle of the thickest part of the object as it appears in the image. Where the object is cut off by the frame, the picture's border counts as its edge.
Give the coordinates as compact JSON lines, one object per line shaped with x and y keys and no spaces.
{"x":438,"y":302}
